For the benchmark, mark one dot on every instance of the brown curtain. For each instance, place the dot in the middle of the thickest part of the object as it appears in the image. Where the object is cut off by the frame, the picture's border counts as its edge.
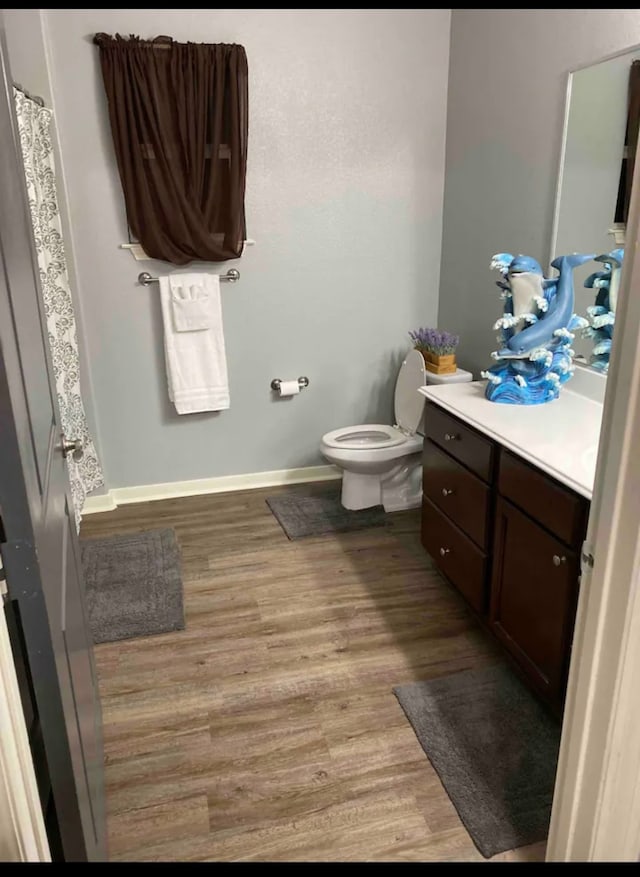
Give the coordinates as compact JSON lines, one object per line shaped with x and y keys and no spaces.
{"x":178,"y":114}
{"x":633,"y":124}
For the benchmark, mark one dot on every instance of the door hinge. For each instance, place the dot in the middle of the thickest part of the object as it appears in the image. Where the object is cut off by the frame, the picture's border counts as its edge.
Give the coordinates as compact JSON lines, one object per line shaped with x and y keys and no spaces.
{"x":3,"y":576}
{"x":3,"y":580}
{"x":586,"y":556}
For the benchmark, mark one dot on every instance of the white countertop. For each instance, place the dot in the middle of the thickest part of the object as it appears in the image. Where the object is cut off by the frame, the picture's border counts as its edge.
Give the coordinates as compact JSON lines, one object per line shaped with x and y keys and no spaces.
{"x":559,"y":437}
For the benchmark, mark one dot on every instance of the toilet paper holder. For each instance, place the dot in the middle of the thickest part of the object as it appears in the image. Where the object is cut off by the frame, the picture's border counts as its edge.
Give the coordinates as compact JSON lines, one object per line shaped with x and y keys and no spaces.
{"x":302,"y":383}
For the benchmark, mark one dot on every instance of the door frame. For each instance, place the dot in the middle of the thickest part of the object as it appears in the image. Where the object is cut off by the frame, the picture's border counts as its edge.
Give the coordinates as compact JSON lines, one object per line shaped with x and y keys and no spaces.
{"x":596,"y":807}
{"x":23,"y":836}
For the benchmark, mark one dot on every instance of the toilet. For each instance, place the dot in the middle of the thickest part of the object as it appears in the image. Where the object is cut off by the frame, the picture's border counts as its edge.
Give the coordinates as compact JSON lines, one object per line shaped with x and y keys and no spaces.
{"x":382,"y":465}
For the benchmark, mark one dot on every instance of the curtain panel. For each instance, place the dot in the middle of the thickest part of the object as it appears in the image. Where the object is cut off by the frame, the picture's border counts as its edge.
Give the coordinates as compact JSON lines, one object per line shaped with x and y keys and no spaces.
{"x":633,"y":125}
{"x":179,"y":119}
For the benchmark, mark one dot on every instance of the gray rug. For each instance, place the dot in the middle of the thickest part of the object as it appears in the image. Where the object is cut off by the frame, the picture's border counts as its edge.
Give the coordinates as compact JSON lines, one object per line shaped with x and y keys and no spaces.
{"x":316,"y":512}
{"x":133,"y":585}
{"x":495,"y":749}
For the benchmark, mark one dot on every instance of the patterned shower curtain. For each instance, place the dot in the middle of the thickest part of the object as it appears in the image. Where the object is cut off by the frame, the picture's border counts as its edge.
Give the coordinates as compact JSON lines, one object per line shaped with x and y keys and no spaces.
{"x":34,"y":126}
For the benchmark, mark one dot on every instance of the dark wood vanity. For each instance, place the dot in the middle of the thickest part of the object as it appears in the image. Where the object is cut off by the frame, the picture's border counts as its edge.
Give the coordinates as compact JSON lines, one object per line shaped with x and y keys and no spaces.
{"x":507,"y":536}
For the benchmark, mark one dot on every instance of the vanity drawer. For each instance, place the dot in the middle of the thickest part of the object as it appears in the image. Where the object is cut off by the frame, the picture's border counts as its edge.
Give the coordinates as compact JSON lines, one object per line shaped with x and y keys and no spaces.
{"x":557,"y":508}
{"x":461,"y":441}
{"x":455,"y":555}
{"x":457,"y":492}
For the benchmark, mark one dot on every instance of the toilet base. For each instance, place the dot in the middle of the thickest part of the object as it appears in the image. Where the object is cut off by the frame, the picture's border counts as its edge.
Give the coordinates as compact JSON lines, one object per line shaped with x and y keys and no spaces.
{"x":396,"y":491}
{"x":360,"y":491}
{"x":402,"y":488}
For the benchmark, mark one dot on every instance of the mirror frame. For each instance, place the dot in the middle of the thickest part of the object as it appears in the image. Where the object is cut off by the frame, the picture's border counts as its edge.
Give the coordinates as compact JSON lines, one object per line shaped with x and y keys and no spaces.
{"x":563,"y":144}
{"x":561,"y":162}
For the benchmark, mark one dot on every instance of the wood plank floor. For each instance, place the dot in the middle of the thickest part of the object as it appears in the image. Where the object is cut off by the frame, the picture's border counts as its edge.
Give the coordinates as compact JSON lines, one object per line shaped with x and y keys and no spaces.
{"x":267,"y":730}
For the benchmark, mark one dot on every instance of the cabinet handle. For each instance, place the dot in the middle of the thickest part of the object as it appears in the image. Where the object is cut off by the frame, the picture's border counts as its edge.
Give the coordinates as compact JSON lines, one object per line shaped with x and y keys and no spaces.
{"x":451,"y":437}
{"x":557,"y":560}
{"x":446,"y":491}
{"x":444,"y":552}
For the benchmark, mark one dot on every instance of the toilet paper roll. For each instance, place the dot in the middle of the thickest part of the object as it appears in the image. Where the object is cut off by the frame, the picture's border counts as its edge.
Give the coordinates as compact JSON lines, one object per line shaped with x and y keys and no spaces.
{"x":289,"y":388}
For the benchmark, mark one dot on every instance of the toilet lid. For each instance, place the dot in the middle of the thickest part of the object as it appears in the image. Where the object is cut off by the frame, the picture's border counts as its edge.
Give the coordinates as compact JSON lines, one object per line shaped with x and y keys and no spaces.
{"x":409,"y":404}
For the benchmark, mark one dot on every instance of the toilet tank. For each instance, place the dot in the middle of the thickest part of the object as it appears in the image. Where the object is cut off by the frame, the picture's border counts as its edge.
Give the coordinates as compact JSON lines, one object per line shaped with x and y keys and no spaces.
{"x":459,"y":376}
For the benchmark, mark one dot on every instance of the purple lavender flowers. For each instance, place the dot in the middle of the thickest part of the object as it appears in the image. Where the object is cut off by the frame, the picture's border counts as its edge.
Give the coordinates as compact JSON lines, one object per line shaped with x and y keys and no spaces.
{"x":434,"y":341}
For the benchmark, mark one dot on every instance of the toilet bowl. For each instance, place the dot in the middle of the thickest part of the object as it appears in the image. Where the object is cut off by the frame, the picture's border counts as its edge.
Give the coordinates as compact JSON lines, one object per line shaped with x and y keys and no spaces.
{"x":382,"y":464}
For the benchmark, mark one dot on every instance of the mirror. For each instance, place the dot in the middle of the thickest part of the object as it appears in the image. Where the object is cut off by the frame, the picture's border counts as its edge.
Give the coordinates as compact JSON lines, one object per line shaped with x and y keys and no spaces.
{"x":590,"y":196}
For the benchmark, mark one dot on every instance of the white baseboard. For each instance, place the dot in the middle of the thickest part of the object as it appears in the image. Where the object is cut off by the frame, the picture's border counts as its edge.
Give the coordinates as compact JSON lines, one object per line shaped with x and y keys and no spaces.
{"x":148,"y":492}
{"x":103,"y":503}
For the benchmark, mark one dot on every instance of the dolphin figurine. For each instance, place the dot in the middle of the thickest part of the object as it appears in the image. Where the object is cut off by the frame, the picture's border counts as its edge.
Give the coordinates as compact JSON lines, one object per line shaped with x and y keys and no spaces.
{"x":526,"y":279}
{"x":559,"y":312}
{"x":601,"y":281}
{"x":614,"y":260}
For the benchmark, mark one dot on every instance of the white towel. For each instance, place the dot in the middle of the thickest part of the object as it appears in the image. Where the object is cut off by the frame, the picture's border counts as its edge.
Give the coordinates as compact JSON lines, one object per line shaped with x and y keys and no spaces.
{"x":190,"y":307}
{"x":194,"y":342}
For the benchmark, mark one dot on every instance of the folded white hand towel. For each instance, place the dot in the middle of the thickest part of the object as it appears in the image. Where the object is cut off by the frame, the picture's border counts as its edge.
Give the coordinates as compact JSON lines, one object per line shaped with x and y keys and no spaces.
{"x":190,"y":303}
{"x":195,"y":357}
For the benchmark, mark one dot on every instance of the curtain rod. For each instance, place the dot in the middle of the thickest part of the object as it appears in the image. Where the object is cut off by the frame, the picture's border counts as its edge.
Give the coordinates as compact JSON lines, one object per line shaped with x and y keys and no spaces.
{"x":33,"y":97}
{"x":159,"y":42}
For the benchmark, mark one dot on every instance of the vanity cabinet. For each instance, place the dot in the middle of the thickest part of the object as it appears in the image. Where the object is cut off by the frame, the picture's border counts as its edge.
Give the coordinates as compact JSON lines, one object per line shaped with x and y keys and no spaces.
{"x":508,"y":537}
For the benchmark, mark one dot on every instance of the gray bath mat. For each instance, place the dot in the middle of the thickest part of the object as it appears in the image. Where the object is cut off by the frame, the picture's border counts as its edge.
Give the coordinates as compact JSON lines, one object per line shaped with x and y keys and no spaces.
{"x":133,"y":585}
{"x":495,"y":749}
{"x":316,"y":512}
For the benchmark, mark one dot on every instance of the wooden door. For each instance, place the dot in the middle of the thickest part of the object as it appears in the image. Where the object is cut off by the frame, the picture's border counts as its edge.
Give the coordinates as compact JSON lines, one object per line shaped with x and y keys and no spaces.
{"x":533,"y":597}
{"x":38,"y":540}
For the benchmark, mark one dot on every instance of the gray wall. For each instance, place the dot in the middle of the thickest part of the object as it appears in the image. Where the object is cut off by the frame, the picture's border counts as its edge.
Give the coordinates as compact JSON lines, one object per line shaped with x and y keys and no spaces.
{"x":27,"y":53}
{"x":28,"y":63}
{"x":344,"y":199}
{"x":507,"y":85}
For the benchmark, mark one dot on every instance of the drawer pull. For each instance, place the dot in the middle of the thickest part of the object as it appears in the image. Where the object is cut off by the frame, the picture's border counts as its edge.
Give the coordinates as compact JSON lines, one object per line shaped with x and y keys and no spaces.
{"x":451,"y":437}
{"x":444,"y":552}
{"x":557,"y":560}
{"x":446,"y":491}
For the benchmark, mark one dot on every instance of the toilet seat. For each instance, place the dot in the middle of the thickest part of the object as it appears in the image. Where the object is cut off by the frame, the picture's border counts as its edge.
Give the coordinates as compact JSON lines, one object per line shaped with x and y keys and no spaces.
{"x":408,"y":407}
{"x":365,"y":436}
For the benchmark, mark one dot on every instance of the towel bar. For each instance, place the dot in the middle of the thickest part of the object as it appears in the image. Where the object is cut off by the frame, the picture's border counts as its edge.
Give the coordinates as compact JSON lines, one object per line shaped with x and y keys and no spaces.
{"x":231,"y":276}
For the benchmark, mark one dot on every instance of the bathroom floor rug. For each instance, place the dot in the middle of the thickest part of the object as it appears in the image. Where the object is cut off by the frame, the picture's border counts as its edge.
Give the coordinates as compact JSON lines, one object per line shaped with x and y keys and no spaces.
{"x":316,"y":511}
{"x":494,"y":747}
{"x":133,"y":585}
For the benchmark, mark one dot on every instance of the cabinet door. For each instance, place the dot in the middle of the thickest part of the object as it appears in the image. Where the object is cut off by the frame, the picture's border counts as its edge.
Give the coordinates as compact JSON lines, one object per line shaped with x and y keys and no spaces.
{"x":533,"y":598}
